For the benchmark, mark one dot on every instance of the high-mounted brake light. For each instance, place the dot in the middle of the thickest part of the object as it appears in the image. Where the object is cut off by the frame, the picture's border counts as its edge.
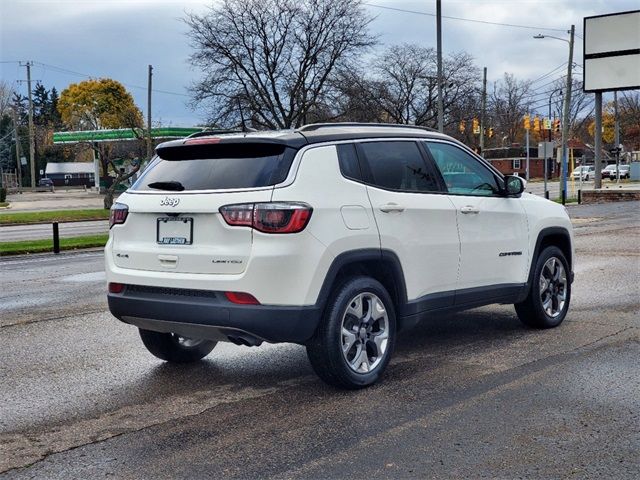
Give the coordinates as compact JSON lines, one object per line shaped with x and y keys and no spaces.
{"x":202,"y":141}
{"x":269,"y":217}
{"x":118,"y":214}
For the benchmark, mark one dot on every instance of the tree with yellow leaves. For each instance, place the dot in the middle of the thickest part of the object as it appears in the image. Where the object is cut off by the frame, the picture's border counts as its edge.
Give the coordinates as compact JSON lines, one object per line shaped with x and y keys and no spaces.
{"x":608,"y":125}
{"x":102,"y":104}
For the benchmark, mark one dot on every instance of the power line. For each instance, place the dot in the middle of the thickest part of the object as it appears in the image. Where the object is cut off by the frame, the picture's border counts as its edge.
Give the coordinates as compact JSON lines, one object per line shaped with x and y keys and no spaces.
{"x":72,"y":72}
{"x":467,"y":19}
{"x":58,"y":69}
{"x":548,"y":74}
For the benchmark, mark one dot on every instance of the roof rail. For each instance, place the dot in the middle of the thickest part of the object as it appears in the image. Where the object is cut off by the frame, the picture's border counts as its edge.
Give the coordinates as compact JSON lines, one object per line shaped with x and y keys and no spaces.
{"x":215,"y":131}
{"x":318,"y":126}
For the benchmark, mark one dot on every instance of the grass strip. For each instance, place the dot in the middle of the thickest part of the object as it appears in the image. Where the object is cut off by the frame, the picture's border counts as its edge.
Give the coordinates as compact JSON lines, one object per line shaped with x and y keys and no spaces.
{"x":46,"y":245}
{"x":21,"y":218}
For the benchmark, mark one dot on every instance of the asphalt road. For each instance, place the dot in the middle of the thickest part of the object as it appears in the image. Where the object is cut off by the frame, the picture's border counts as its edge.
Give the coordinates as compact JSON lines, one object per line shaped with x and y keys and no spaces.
{"x":70,"y":229}
{"x":470,"y":395}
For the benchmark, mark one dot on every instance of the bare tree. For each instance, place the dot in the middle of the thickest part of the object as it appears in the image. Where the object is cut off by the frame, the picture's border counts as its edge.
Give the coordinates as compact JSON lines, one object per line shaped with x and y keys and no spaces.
{"x":508,"y":103}
{"x":580,"y":109}
{"x":629,"y":113}
{"x":407,"y":84}
{"x":273,"y":58}
{"x":6,"y":93}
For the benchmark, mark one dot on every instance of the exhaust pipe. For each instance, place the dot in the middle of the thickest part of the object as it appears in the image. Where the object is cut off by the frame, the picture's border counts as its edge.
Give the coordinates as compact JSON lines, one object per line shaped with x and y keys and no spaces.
{"x":245,"y":339}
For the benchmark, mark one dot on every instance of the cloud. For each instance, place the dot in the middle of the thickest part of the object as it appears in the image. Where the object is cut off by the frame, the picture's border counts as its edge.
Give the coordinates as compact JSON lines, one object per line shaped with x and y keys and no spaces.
{"x":119,"y":38}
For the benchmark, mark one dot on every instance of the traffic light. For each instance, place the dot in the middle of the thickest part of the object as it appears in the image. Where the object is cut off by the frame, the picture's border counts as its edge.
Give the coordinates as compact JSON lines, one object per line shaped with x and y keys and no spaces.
{"x":527,"y":122}
{"x":490,"y":132}
{"x":476,"y":126}
{"x":556,"y":125}
{"x":547,"y":123}
{"x":462,"y":126}
{"x":536,"y":123}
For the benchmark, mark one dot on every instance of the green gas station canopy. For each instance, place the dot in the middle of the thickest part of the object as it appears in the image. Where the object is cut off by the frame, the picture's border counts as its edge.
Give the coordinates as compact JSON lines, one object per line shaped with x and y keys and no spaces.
{"x":121,"y":134}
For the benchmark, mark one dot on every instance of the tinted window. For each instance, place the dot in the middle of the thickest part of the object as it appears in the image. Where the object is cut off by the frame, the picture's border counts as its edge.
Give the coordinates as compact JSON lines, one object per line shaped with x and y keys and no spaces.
{"x":230,"y":170}
{"x":462,"y":173}
{"x":398,"y":166}
{"x":349,"y":161}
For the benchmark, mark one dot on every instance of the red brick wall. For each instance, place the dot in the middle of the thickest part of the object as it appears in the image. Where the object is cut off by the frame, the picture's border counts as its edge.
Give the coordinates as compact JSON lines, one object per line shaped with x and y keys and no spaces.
{"x":536,"y":167}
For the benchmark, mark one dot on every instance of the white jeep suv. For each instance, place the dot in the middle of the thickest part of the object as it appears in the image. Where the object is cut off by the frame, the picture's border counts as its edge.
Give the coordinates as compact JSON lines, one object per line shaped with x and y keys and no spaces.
{"x":334,"y":236}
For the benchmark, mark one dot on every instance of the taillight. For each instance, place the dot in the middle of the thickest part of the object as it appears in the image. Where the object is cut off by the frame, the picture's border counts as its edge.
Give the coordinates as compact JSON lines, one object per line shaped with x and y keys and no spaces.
{"x":118,"y":214}
{"x":241,"y":298}
{"x":116,"y":287}
{"x":271,"y":217}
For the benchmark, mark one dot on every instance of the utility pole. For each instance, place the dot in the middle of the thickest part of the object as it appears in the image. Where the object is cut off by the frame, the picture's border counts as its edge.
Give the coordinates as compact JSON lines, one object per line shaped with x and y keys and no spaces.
{"x":547,"y":154}
{"x":149,"y":141}
{"x":565,"y":119}
{"x":527,"y":167}
{"x":598,"y":141}
{"x":483,"y":111}
{"x":440,"y":76}
{"x":617,"y":134}
{"x":32,"y":149}
{"x":18,"y":162}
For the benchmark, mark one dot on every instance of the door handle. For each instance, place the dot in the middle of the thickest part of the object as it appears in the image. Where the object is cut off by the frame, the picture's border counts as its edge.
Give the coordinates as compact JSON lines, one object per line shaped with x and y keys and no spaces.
{"x":391,"y":207}
{"x":469,"y":209}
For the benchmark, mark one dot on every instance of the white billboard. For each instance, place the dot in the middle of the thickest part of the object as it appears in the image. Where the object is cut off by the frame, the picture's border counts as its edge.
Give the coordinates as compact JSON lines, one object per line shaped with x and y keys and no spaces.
{"x":612,"y":52}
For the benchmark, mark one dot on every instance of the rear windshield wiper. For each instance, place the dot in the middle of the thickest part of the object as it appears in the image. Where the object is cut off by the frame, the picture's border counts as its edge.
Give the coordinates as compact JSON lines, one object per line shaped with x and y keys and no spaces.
{"x":173,"y":186}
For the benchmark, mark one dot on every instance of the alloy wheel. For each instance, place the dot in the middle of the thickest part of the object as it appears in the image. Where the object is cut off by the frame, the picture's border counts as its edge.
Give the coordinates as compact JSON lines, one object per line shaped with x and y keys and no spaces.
{"x":553,"y":287}
{"x":365,"y":332}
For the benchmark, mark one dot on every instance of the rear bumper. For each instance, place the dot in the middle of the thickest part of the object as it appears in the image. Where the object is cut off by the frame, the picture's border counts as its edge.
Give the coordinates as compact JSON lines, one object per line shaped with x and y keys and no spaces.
{"x":203,"y":314}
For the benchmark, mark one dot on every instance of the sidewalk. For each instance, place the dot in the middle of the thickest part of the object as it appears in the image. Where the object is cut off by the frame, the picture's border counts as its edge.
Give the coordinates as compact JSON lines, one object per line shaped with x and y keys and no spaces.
{"x":58,"y":200}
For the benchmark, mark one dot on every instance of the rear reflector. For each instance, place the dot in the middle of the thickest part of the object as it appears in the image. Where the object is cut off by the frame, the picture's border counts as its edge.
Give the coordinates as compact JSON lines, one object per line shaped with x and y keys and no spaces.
{"x":116,"y":287}
{"x":269,"y":217}
{"x":241,"y":298}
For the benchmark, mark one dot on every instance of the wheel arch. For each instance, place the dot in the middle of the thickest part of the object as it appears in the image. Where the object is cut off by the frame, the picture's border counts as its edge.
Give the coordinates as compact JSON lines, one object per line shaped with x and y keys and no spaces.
{"x":552,"y":236}
{"x":382,"y":265}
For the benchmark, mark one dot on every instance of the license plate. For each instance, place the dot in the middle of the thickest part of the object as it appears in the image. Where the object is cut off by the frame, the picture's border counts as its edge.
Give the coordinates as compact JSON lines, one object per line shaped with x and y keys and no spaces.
{"x":175,"y":231}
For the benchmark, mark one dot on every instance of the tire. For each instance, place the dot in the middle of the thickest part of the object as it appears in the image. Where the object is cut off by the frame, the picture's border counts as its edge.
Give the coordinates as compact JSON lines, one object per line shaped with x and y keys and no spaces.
{"x":586,"y":179}
{"x":371,"y":338}
{"x":174,"y":348}
{"x":551,"y":278}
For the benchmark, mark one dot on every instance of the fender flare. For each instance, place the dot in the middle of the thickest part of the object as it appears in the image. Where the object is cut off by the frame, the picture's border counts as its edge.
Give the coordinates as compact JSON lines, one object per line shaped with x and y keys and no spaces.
{"x":354,"y":257}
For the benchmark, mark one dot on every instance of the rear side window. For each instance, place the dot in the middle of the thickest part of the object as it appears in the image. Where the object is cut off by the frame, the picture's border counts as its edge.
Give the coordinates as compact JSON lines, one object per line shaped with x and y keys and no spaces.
{"x":398,"y":166}
{"x":348,"y":159}
{"x":229,"y":168}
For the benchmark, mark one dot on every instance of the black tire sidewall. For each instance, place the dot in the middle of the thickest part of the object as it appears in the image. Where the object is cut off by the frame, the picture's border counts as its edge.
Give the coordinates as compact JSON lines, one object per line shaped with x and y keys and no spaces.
{"x":329,"y":339}
{"x":544,"y":256}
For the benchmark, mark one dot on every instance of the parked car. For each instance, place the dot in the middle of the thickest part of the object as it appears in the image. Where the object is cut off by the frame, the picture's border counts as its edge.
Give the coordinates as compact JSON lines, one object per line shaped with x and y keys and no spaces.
{"x":611,"y":172}
{"x":583,"y":173}
{"x":332,"y":236}
{"x":625,"y":172}
{"x":45,"y":182}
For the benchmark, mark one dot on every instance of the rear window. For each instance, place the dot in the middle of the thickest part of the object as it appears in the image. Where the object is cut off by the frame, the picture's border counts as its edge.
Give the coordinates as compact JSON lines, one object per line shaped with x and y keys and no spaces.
{"x":223,"y":168}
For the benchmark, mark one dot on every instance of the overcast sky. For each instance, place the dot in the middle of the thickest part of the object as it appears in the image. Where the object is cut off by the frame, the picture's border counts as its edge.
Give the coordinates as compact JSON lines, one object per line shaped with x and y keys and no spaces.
{"x":67,"y":39}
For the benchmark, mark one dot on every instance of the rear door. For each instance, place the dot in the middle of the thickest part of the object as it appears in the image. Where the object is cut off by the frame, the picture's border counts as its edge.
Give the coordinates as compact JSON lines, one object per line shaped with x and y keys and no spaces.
{"x":493,"y":228}
{"x":415,"y":219}
{"x":174,"y":222}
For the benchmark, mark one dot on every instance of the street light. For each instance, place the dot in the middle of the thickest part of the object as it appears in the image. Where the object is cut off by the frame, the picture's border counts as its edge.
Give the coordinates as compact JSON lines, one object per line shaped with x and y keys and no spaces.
{"x":567,"y":103}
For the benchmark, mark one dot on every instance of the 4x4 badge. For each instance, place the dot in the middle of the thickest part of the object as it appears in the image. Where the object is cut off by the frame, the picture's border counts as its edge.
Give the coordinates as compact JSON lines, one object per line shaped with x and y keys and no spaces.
{"x":169,"y":202}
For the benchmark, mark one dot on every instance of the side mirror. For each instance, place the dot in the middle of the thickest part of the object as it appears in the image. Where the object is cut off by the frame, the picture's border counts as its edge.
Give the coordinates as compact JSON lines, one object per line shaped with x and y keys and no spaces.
{"x":513,"y":186}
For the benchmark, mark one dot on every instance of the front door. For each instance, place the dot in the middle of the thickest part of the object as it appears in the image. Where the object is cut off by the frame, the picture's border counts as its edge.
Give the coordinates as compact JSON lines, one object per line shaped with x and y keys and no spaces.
{"x":493,"y":228}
